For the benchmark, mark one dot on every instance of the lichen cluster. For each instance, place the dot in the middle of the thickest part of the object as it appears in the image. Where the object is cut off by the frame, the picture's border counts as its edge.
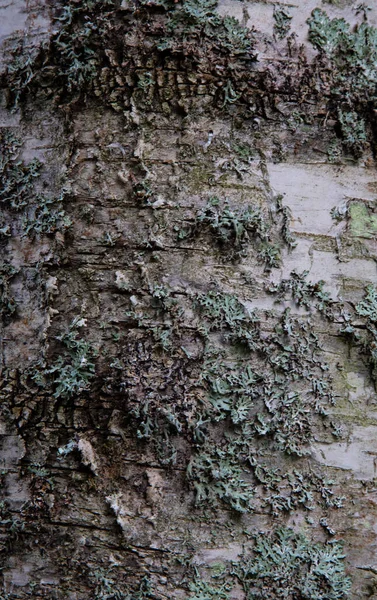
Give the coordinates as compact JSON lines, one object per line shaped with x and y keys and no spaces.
{"x":190,"y":376}
{"x":41,"y":215}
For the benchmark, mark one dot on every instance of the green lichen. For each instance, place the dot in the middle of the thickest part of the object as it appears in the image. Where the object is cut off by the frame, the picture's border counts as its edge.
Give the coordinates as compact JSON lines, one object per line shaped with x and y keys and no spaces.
{"x":282,"y":18}
{"x":352,"y":54}
{"x":327,"y":34}
{"x":235,"y":231}
{"x":71,"y":58}
{"x":41,"y":215}
{"x":18,"y":178}
{"x":268,"y":400}
{"x":241,"y":390}
{"x":222,"y":311}
{"x":202,"y":590}
{"x":217,"y":477}
{"x":368,"y":306}
{"x":304,"y":293}
{"x":45,"y":217}
{"x":294,"y":489}
{"x":8,"y":303}
{"x":82,"y":59}
{"x":72,"y":371}
{"x":21,"y":71}
{"x":232,"y":229}
{"x":341,"y":212}
{"x":364,"y":336}
{"x":289,"y":565}
{"x":362,"y":223}
{"x":108,"y":585}
{"x":353,"y":129}
{"x":196,"y":20}
{"x":231,"y":391}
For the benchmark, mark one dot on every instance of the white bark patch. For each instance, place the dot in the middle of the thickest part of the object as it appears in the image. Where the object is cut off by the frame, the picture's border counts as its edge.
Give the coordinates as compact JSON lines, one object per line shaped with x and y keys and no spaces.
{"x":88,"y":456}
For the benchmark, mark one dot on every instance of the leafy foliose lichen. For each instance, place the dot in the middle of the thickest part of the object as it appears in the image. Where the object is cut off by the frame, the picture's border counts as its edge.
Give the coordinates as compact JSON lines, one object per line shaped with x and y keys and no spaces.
{"x":7,"y":301}
{"x":288,"y":565}
{"x":84,"y":58}
{"x":244,"y":387}
{"x":352,"y":54}
{"x":73,"y":370}
{"x":70,"y":58}
{"x":237,"y":230}
{"x":325,"y":33}
{"x":230,"y":226}
{"x":198,"y":20}
{"x":108,"y":584}
{"x":217,"y":476}
{"x":223,"y":311}
{"x":285,"y":492}
{"x":364,"y":334}
{"x":45,"y":216}
{"x":202,"y":590}
{"x":41,"y":215}
{"x":353,"y":131}
{"x":304,"y":293}
{"x":20,"y":71}
{"x":18,"y":178}
{"x":367,"y":308}
{"x":265,"y":387}
{"x":282,"y":19}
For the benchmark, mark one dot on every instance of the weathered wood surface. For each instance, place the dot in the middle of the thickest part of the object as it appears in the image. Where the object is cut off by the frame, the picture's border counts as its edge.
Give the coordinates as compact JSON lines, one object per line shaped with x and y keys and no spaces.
{"x":93,"y":507}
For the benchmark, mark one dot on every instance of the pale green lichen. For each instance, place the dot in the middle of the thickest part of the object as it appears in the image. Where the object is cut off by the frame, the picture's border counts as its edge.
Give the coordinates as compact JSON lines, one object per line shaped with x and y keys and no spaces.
{"x":73,"y":370}
{"x":282,"y":18}
{"x":202,"y":590}
{"x":17,"y":177}
{"x":234,"y":229}
{"x":352,"y":52}
{"x":289,"y":565}
{"x":8,"y":303}
{"x":362,"y":223}
{"x":41,"y":215}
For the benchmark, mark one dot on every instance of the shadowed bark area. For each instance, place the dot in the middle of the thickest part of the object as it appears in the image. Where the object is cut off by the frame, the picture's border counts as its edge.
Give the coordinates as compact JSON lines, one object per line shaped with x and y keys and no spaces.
{"x":187,"y":300}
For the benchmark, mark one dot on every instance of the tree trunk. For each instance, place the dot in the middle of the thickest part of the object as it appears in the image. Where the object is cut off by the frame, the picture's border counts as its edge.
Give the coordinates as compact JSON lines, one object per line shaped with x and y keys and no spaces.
{"x":187,"y":299}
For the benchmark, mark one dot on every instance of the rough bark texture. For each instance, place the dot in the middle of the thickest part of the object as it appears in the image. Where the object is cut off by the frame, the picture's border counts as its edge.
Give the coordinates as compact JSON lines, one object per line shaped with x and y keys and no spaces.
{"x":189,"y":319}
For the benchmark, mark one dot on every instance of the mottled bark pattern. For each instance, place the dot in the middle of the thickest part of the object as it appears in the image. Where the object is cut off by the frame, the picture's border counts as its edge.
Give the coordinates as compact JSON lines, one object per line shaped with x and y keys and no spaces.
{"x":174,"y":378}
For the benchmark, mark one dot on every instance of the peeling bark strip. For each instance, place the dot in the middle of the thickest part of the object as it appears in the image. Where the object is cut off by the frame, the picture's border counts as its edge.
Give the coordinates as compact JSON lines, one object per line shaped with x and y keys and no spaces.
{"x":188,"y":300}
